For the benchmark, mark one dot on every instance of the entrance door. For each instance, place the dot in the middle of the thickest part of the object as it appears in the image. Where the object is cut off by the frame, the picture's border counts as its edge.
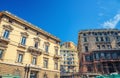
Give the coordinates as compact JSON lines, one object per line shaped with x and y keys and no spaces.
{"x":33,"y":74}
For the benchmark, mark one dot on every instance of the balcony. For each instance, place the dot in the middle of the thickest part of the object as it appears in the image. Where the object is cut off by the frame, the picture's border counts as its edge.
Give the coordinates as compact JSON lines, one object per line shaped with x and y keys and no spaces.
{"x":33,"y":49}
{"x":22,"y":46}
{"x":4,"y":40}
{"x":56,"y":56}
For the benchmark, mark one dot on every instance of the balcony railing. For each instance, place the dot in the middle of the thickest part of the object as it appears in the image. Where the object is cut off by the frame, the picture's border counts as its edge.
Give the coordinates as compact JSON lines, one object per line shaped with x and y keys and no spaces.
{"x":33,"y":49}
{"x":4,"y":40}
{"x":21,"y":46}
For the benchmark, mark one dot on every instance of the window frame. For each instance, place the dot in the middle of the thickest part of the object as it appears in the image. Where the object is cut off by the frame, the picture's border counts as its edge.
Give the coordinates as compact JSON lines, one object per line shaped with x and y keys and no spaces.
{"x":20,"y":61}
{"x":2,"y":54}
{"x":45,"y":62}
{"x":4,"y":34}
{"x":34,"y":62}
{"x":25,"y":40}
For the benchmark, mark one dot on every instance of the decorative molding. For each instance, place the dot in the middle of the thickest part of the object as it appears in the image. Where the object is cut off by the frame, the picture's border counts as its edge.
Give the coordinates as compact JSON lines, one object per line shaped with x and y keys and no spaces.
{"x":56,"y":47}
{"x":37,"y":39}
{"x":47,"y":43}
{"x":8,"y":27}
{"x":24,"y":34}
{"x":35,"y":51}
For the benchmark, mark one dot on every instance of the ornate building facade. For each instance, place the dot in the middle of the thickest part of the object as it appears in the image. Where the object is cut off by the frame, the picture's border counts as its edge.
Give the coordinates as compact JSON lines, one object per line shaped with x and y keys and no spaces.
{"x":69,"y":62}
{"x":99,"y":51}
{"x":27,"y":50}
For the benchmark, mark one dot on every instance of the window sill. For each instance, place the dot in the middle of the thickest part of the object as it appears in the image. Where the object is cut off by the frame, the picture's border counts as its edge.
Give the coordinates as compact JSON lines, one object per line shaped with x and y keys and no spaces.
{"x":22,"y":46}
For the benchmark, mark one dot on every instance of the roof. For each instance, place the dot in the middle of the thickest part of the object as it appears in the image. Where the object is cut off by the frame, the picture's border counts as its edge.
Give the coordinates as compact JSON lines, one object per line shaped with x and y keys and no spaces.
{"x":12,"y":16}
{"x":98,"y":30}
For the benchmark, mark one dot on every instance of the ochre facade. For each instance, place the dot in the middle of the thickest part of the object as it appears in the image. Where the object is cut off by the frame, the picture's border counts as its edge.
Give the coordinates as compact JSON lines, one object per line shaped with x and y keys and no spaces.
{"x":27,"y":50}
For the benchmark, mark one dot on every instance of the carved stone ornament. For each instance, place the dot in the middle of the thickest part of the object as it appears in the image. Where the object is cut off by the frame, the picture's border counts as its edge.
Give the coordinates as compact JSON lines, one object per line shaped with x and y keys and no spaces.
{"x":47,"y":43}
{"x":56,"y":47}
{"x":24,"y":34}
{"x":8,"y":27}
{"x":37,"y":39}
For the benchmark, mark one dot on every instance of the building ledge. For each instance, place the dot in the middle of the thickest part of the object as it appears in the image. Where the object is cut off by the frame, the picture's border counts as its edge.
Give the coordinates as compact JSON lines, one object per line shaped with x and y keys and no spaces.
{"x":56,"y":56}
{"x":4,"y":40}
{"x":33,"y":49}
{"x":22,"y":46}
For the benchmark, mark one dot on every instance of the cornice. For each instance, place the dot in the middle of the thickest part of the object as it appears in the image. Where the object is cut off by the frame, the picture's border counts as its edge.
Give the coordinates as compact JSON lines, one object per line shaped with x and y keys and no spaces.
{"x":20,"y":20}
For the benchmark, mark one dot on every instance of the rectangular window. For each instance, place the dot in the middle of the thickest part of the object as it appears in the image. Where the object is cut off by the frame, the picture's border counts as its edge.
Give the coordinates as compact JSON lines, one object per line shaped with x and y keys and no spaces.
{"x":108,"y":56}
{"x":97,"y":39}
{"x":86,"y":48}
{"x":34,"y":60}
{"x":56,"y":66}
{"x":45,"y":63}
{"x":102,"y":55}
{"x":97,"y":56}
{"x":98,"y":46}
{"x":107,"y":39}
{"x":1,"y":53}
{"x":36,"y":45}
{"x":6,"y":34}
{"x":46,"y":48}
{"x":23,"y":41}
{"x":85,"y":39}
{"x":101,"y":38}
{"x":56,"y":51}
{"x":20,"y":58}
{"x":109,"y":46}
{"x":103,"y":46}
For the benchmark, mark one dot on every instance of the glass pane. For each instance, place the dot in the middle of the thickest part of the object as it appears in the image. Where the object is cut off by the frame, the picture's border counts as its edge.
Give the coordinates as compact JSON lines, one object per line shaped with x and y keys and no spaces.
{"x":6,"y":34}
{"x":1,"y":52}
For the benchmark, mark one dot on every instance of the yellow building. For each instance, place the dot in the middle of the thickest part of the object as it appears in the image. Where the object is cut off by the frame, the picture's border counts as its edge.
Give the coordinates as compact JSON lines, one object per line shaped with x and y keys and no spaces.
{"x":69,"y":63}
{"x":26,"y":50}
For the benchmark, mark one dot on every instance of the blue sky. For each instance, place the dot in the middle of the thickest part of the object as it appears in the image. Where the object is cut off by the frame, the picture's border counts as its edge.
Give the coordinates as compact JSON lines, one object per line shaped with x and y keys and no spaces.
{"x":65,"y":18}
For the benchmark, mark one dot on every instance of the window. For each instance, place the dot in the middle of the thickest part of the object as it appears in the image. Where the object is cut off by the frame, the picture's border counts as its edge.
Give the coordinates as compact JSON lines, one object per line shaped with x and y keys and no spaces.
{"x":108,"y":56}
{"x":85,"y":39}
{"x":36,"y":45}
{"x":102,"y":56}
{"x":23,"y":41}
{"x":107,"y":39}
{"x":95,"y":33}
{"x":101,"y":38}
{"x":56,"y":66}
{"x":103,"y":46}
{"x":6,"y":34}
{"x":56,"y":51}
{"x":86,"y":48}
{"x":84,"y":34}
{"x":97,"y":56}
{"x":10,"y":21}
{"x":1,"y":53}
{"x":45,"y":63}
{"x":87,"y":58}
{"x":34,"y":60}
{"x":98,"y":46}
{"x":97,"y":39}
{"x":114,"y":55}
{"x":20,"y":58}
{"x":109,"y":46}
{"x":46,"y":48}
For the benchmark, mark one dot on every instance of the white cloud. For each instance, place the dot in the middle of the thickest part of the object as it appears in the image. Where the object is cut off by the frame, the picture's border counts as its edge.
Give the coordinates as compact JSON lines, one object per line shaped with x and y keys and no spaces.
{"x":112,"y":22}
